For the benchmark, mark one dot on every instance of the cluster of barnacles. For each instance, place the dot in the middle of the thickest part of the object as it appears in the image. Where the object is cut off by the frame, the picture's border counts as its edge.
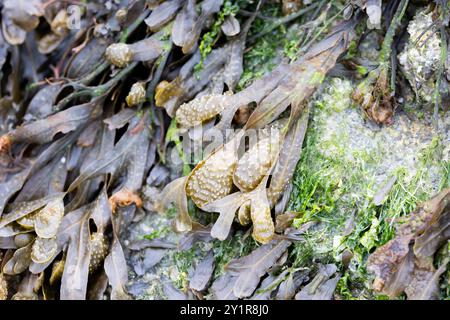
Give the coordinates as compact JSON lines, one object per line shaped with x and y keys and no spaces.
{"x":420,"y":62}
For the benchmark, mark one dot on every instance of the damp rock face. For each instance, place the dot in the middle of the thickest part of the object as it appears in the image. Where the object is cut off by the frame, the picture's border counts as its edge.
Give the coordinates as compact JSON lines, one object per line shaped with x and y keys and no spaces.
{"x":421,"y":56}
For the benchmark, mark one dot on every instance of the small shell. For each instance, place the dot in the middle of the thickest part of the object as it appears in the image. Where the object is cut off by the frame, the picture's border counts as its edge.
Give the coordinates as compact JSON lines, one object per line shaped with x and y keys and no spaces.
{"x":231,"y":26}
{"x":119,"y":54}
{"x":99,"y":250}
{"x":121,"y":15}
{"x":136,"y":94}
{"x":212,"y":178}
{"x":43,"y":250}
{"x":201,"y":109}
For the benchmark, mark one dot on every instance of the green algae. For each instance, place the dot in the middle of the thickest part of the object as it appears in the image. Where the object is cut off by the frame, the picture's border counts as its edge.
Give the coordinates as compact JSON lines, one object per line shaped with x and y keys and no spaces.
{"x":343,"y":164}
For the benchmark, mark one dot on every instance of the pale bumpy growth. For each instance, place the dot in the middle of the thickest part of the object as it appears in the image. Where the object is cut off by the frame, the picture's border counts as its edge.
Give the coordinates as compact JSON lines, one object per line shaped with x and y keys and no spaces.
{"x":263,"y":227}
{"x":136,"y":94}
{"x":119,"y":54}
{"x":254,"y":164}
{"x":212,"y":179}
{"x":199,"y":110}
{"x":99,"y":250}
{"x":43,"y":250}
{"x":421,"y":56}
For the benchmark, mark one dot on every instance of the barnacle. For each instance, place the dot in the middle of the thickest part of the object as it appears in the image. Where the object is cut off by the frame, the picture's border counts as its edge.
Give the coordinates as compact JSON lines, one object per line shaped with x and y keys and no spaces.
{"x":255,"y":164}
{"x":421,"y":56}
{"x":201,"y":109}
{"x":43,"y":249}
{"x":99,"y":250}
{"x":136,"y":94}
{"x":212,"y":178}
{"x":121,"y":15}
{"x":119,"y":54}
{"x":3,"y":287}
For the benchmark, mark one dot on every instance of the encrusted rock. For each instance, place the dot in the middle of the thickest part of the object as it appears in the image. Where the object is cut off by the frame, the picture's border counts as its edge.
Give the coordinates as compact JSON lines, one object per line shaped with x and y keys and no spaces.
{"x":421,"y":56}
{"x":119,"y":54}
{"x":136,"y":94}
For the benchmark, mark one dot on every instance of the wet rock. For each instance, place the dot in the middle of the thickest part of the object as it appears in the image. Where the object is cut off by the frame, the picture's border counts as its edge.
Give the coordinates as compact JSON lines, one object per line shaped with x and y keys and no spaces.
{"x":421,"y":57}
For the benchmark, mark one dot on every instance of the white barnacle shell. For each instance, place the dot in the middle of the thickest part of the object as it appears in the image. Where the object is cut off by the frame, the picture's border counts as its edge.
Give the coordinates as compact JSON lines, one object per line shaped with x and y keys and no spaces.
{"x":421,"y":57}
{"x":119,"y":54}
{"x":136,"y":94}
